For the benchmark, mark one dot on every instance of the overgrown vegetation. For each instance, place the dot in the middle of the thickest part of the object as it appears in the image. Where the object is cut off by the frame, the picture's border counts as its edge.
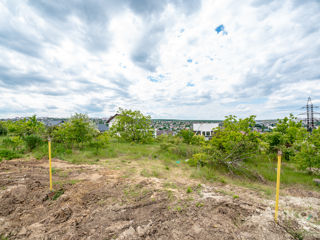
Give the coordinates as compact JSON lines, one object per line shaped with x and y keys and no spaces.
{"x":132,"y":126}
{"x":234,"y":150}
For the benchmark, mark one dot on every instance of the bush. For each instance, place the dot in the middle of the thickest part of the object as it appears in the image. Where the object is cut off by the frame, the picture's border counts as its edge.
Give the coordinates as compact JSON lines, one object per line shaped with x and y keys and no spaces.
{"x":233,"y":143}
{"x":78,"y":130}
{"x":3,"y":129}
{"x":181,"y":150}
{"x":198,"y":140}
{"x":32,"y":141}
{"x":186,"y":135}
{"x":25,"y":127}
{"x":132,"y":126}
{"x":169,"y":139}
{"x":198,"y":159}
{"x":14,"y":142}
{"x":102,"y":140}
{"x":8,"y":154}
{"x":308,"y":154}
{"x":165,"y":146}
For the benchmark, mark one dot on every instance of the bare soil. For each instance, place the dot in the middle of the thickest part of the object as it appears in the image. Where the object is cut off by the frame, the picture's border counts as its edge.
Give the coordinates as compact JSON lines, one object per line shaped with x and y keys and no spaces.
{"x":95,"y":202}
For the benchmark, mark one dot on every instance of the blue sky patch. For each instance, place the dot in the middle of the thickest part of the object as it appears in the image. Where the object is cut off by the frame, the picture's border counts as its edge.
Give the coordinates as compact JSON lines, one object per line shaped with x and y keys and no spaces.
{"x":152,"y":79}
{"x":190,"y":84}
{"x":221,"y":29}
{"x":189,"y":60}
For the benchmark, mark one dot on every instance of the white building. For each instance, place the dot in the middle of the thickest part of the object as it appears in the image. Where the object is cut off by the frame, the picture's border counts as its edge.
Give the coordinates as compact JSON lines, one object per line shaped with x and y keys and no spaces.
{"x":204,"y":129}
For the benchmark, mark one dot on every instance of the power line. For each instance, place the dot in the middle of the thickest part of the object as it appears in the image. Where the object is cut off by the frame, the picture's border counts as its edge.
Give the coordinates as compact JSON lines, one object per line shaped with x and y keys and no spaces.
{"x":310,"y":120}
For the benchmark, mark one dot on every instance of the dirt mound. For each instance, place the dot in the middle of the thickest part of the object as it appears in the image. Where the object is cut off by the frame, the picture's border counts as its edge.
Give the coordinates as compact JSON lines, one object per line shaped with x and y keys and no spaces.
{"x":101,"y":204}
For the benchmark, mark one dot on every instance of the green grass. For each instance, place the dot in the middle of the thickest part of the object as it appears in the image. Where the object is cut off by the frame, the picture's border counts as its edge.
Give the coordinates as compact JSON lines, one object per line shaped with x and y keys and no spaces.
{"x":160,"y":162}
{"x":57,"y":194}
{"x":150,"y":173}
{"x":189,"y":190}
{"x":290,"y":175}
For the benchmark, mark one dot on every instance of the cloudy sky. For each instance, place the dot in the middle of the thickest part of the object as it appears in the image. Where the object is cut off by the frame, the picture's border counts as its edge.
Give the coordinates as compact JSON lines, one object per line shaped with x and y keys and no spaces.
{"x":184,"y":59}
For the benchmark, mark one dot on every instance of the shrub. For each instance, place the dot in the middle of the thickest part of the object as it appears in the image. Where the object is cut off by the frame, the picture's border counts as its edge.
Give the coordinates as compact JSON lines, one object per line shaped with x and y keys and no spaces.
{"x":3,"y":129}
{"x":308,"y":154}
{"x":32,"y":141}
{"x":285,"y":135}
{"x":186,"y":135}
{"x":102,"y":140}
{"x":14,"y":142}
{"x":198,"y":140}
{"x":165,"y":146}
{"x":132,"y":126}
{"x":198,"y":159}
{"x":78,"y":130}
{"x":8,"y":154}
{"x":233,"y":143}
{"x":25,"y":127}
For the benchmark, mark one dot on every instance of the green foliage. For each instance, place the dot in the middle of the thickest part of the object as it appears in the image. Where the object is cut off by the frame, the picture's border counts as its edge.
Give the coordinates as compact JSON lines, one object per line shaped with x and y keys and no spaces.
{"x":169,"y":139}
{"x":8,"y":154}
{"x":199,"y":159}
{"x":25,"y":127}
{"x":101,"y":141}
{"x":233,"y":143}
{"x":182,"y":150}
{"x":3,"y":129}
{"x":189,"y":137}
{"x":308,"y":155}
{"x":132,"y":126}
{"x":287,"y":132}
{"x":198,"y":140}
{"x":57,"y":194}
{"x":32,"y":141}
{"x":78,"y":130}
{"x":13,"y":142}
{"x":186,"y":135}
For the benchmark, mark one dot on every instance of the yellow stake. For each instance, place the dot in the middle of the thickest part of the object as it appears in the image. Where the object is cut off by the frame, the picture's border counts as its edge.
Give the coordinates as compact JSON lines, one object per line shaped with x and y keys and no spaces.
{"x":50,"y":169}
{"x":278,"y":186}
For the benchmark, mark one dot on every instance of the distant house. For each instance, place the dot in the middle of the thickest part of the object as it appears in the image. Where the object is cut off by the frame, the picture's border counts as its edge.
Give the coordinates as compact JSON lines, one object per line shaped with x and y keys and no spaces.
{"x":102,"y":127}
{"x":53,"y":123}
{"x":204,"y":129}
{"x":112,"y":120}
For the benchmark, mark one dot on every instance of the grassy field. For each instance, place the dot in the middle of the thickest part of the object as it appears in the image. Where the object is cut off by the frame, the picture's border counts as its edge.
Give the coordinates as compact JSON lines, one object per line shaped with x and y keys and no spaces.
{"x":152,"y":160}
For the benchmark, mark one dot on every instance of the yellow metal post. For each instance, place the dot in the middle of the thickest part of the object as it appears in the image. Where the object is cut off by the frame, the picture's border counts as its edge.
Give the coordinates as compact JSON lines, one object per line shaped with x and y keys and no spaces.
{"x":50,"y":168}
{"x":278,"y":186}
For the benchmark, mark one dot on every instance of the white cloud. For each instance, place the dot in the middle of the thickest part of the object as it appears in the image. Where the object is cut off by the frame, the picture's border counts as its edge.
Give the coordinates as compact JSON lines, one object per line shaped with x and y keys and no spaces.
{"x":164,"y":59}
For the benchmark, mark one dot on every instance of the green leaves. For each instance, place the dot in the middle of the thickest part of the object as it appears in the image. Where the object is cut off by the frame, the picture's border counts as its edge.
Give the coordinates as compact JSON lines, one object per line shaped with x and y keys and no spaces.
{"x":231,"y":144}
{"x":25,"y":127}
{"x":132,"y":126}
{"x":78,"y":130}
{"x":187,"y":135}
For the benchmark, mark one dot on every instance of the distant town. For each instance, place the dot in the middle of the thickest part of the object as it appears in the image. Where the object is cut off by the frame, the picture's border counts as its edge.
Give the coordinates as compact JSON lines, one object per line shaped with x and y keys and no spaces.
{"x":162,"y":126}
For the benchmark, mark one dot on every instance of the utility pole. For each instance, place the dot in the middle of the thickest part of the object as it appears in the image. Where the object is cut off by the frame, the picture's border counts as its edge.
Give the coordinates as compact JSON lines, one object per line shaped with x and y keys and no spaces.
{"x":310,"y":120}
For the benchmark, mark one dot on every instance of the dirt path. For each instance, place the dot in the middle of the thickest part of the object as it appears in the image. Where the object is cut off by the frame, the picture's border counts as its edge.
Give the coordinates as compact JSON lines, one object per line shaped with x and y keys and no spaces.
{"x":95,"y":202}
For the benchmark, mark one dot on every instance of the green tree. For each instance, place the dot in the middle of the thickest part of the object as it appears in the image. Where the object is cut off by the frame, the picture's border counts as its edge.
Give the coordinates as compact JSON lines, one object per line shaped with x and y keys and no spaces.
{"x":308,"y":151}
{"x":78,"y":130}
{"x":25,"y":127}
{"x":132,"y":126}
{"x":288,"y":131}
{"x":233,"y":143}
{"x":187,"y":135}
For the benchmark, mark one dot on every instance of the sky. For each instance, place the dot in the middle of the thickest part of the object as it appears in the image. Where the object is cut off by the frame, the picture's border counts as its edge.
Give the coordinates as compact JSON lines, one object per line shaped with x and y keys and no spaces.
{"x":182,"y":59}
